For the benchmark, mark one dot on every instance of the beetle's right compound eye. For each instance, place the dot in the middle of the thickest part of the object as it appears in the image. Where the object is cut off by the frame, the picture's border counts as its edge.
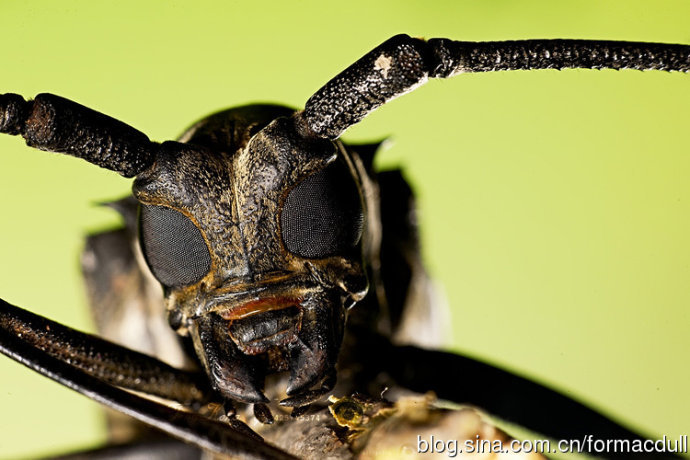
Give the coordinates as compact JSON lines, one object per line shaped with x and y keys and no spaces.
{"x":322,"y":216}
{"x":173,"y":246}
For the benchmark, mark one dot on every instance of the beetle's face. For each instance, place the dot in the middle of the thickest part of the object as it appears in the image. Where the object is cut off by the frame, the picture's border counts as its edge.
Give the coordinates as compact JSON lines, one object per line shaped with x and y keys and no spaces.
{"x":259,"y":251}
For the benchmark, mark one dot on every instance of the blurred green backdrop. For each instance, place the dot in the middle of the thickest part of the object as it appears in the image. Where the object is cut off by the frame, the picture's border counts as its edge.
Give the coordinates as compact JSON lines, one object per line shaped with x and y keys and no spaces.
{"x":555,"y":206}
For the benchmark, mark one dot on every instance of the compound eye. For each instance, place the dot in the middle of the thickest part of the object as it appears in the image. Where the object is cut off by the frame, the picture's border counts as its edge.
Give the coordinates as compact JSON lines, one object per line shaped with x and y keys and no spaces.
{"x":322,"y":216}
{"x":173,"y":246}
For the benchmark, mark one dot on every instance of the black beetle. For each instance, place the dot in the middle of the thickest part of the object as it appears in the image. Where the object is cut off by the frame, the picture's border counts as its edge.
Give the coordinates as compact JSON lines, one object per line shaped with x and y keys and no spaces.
{"x":263,"y":230}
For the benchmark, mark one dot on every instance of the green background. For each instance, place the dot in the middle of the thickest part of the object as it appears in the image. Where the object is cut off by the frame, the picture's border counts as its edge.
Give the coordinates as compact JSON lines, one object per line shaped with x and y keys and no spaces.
{"x":555,"y":206}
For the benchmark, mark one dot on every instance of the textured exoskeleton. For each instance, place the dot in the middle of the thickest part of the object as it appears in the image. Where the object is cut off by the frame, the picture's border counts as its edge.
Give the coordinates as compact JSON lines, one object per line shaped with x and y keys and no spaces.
{"x":282,"y":256}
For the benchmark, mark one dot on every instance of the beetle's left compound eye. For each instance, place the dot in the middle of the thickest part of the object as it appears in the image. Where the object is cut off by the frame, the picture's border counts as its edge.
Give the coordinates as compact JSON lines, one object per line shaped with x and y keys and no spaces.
{"x":322,"y":216}
{"x":173,"y":246}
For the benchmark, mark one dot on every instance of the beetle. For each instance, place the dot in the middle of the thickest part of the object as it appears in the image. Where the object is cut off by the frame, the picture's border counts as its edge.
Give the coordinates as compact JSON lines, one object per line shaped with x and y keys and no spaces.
{"x":266,"y":233}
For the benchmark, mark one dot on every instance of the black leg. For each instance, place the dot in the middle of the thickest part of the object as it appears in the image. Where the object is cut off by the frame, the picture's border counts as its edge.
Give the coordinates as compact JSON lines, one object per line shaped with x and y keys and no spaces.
{"x":402,"y":63}
{"x":56,"y":124}
{"x":217,"y":437}
{"x":503,"y":394}
{"x":99,"y":358}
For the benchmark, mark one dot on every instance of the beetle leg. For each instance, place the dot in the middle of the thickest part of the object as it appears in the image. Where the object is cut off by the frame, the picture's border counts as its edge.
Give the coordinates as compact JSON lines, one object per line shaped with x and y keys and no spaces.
{"x":401,"y":64}
{"x":190,"y":427}
{"x":506,"y":395}
{"x":56,"y":124}
{"x":102,"y":359}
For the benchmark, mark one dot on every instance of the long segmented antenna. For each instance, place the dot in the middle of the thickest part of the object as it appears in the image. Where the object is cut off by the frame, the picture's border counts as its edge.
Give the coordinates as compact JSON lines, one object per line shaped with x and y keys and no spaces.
{"x":56,"y":124}
{"x":401,"y":64}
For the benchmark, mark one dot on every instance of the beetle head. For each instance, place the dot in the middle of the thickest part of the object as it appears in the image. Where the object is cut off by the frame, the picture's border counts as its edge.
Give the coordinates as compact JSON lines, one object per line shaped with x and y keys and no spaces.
{"x":258,"y":247}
